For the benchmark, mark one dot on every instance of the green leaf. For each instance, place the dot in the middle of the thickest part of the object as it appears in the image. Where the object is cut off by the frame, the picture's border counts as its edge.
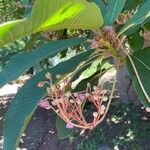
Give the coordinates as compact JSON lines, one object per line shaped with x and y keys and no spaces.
{"x":136,"y":40}
{"x":21,"y":110}
{"x":102,"y":6}
{"x":21,"y":62}
{"x":54,"y":15}
{"x":83,"y":84}
{"x":25,"y":101}
{"x":62,"y":131}
{"x":130,"y":5}
{"x":147,"y":25}
{"x":88,"y":74}
{"x":89,"y":71}
{"x":141,"y":61}
{"x":113,"y":11}
{"x":138,"y":18}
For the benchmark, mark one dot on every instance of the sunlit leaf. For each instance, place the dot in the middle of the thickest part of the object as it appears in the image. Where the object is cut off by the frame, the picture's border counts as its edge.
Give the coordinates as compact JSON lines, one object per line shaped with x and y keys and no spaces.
{"x":54,"y":15}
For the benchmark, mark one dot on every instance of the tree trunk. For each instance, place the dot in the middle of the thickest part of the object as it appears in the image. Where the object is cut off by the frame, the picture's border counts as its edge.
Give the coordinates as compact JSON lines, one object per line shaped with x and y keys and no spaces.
{"x":125,"y":87}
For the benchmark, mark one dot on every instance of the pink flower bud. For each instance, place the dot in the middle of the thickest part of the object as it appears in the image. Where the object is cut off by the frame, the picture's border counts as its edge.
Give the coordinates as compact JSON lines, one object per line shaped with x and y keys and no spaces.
{"x":148,"y":109}
{"x":81,"y":97}
{"x":41,"y":84}
{"x":44,"y":104}
{"x":69,"y":126}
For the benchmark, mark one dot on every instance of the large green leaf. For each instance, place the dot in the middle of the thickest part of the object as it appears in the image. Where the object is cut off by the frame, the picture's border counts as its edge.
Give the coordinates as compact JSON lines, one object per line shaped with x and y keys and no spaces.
{"x":54,"y":15}
{"x":21,"y":110}
{"x":141,"y":61}
{"x":21,"y":62}
{"x":62,"y":131}
{"x":24,"y":103}
{"x":142,"y":14}
{"x":113,"y":11}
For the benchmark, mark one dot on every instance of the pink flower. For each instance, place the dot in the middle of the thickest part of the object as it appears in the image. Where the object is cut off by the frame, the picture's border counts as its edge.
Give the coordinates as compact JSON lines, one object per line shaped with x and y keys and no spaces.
{"x":44,"y":104}
{"x":69,"y":126}
{"x":81,"y":96}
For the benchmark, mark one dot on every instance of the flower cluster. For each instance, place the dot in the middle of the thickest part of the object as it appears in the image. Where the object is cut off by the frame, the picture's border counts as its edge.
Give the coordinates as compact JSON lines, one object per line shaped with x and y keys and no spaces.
{"x":108,"y":43}
{"x":71,"y":106}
